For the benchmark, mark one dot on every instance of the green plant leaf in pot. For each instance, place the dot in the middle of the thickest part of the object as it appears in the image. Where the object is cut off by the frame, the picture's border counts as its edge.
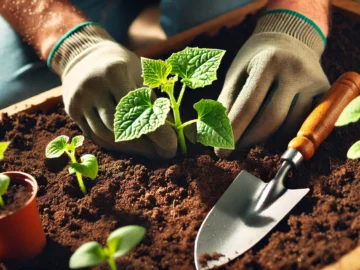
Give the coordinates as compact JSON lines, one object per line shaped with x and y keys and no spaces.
{"x":4,"y":185}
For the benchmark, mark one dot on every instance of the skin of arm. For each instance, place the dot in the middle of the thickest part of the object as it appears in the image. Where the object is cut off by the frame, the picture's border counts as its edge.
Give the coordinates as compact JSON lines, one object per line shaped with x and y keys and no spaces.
{"x":41,"y":23}
{"x":316,"y":10}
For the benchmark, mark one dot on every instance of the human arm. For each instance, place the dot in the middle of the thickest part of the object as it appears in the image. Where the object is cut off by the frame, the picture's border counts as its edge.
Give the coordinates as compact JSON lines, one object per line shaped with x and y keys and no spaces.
{"x":317,"y":11}
{"x":96,"y":72}
{"x":41,"y":23}
{"x":276,"y":75}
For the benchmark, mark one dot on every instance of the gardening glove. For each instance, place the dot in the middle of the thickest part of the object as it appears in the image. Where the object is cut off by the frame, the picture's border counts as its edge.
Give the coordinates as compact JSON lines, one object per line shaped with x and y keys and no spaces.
{"x":274,"y":78}
{"x":96,"y":73}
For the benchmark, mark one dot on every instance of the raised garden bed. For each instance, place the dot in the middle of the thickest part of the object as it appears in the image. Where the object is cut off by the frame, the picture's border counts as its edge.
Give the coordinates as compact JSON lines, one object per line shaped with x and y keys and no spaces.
{"x":172,"y":198}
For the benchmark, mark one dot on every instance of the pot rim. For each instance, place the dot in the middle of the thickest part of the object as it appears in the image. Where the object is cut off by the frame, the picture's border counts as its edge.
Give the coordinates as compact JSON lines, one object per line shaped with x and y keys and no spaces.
{"x":31,"y":181}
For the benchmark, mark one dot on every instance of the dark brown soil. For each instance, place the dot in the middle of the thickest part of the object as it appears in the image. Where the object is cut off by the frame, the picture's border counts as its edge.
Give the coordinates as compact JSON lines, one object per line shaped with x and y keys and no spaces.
{"x":14,"y":198}
{"x":172,"y":198}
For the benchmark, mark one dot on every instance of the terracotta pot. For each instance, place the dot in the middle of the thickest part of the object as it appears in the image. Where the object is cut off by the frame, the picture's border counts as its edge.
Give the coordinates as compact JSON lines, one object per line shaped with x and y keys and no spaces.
{"x":21,"y":233}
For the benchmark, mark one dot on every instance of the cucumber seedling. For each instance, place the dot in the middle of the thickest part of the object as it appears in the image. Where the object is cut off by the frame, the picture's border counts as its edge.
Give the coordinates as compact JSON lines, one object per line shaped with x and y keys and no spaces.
{"x":4,"y":179}
{"x":88,"y":165}
{"x":351,"y":114}
{"x":119,"y":243}
{"x":136,"y":114}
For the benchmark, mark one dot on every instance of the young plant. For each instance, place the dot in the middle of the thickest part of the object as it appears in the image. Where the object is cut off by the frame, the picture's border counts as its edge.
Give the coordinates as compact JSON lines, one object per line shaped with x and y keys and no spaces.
{"x":351,"y":114}
{"x":4,"y":184}
{"x":136,"y":114}
{"x":119,"y":243}
{"x":4,"y":179}
{"x":88,"y":166}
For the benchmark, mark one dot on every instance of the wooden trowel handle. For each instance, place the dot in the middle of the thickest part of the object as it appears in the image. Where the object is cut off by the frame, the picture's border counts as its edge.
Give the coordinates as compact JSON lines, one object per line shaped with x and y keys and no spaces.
{"x":322,"y":119}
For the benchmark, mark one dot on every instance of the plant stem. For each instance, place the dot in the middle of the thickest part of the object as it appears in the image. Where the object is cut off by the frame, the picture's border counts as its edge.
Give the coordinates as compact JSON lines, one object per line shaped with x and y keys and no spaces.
{"x":180,"y":132}
{"x":78,"y":175}
{"x":81,"y":183}
{"x":112,"y":263}
{"x":175,"y":105}
{"x":188,"y":123}
{"x":181,"y":136}
{"x":181,"y":95}
{"x":2,"y":204}
{"x":170,"y":123}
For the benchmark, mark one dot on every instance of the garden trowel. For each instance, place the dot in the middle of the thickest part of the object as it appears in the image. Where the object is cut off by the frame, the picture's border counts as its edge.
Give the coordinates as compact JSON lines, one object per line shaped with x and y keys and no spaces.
{"x":250,"y":208}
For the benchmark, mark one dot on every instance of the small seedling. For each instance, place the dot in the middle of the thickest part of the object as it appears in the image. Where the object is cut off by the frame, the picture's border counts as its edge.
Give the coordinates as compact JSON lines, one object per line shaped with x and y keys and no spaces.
{"x":4,"y":179}
{"x":136,"y":114}
{"x":88,"y":166}
{"x":119,"y":243}
{"x":4,"y":184}
{"x":351,"y":114}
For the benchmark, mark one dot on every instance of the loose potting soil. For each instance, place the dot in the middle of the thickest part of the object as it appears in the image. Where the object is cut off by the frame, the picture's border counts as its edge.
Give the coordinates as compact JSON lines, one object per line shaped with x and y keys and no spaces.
{"x":14,"y":198}
{"x":172,"y":198}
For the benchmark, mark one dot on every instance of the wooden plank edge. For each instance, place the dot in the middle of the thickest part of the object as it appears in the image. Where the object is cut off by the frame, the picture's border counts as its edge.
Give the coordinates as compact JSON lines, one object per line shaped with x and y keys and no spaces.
{"x":211,"y":27}
{"x":349,"y":7}
{"x":42,"y":102}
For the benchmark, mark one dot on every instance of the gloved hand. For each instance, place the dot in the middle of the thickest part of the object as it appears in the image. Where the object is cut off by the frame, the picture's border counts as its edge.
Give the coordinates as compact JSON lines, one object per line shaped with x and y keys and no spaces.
{"x":96,"y":73}
{"x":274,"y":78}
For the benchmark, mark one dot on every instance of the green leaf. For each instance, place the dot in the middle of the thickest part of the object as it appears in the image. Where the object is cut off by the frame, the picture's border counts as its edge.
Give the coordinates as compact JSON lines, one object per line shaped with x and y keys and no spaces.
{"x":87,"y":255}
{"x":135,"y":115}
{"x":214,"y":128}
{"x":350,"y":114}
{"x":155,"y":72}
{"x":122,"y":240}
{"x":168,"y":86}
{"x":3,"y":147}
{"x":4,"y":183}
{"x":56,"y":147}
{"x":88,"y":166}
{"x":196,"y":66}
{"x":354,"y":151}
{"x":77,"y":141}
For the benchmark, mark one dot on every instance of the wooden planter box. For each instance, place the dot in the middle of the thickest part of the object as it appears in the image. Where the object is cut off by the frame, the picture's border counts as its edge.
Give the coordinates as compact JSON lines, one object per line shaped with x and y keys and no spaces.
{"x":49,"y":99}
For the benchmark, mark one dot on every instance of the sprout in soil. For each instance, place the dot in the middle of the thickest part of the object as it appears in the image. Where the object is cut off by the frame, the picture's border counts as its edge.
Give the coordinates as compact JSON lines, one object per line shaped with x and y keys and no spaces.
{"x":119,"y":243}
{"x":88,"y":165}
{"x":4,"y":179}
{"x":136,"y":114}
{"x":351,"y":114}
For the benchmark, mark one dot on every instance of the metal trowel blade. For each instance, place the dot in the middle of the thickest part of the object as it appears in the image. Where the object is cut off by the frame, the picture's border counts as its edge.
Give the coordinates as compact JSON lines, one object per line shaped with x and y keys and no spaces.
{"x":232,"y":226}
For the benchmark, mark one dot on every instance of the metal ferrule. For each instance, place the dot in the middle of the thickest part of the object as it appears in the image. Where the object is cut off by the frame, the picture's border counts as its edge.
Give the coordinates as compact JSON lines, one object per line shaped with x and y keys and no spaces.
{"x":293,"y":156}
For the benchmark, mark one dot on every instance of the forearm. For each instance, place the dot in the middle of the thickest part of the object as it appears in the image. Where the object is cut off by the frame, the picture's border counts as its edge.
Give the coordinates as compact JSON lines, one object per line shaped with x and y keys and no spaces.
{"x":43,"y":22}
{"x":316,"y":10}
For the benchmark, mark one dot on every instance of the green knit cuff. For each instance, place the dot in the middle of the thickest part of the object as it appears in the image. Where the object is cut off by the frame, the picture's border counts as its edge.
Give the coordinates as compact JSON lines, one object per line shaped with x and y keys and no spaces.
{"x":77,"y":39}
{"x":294,"y":24}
